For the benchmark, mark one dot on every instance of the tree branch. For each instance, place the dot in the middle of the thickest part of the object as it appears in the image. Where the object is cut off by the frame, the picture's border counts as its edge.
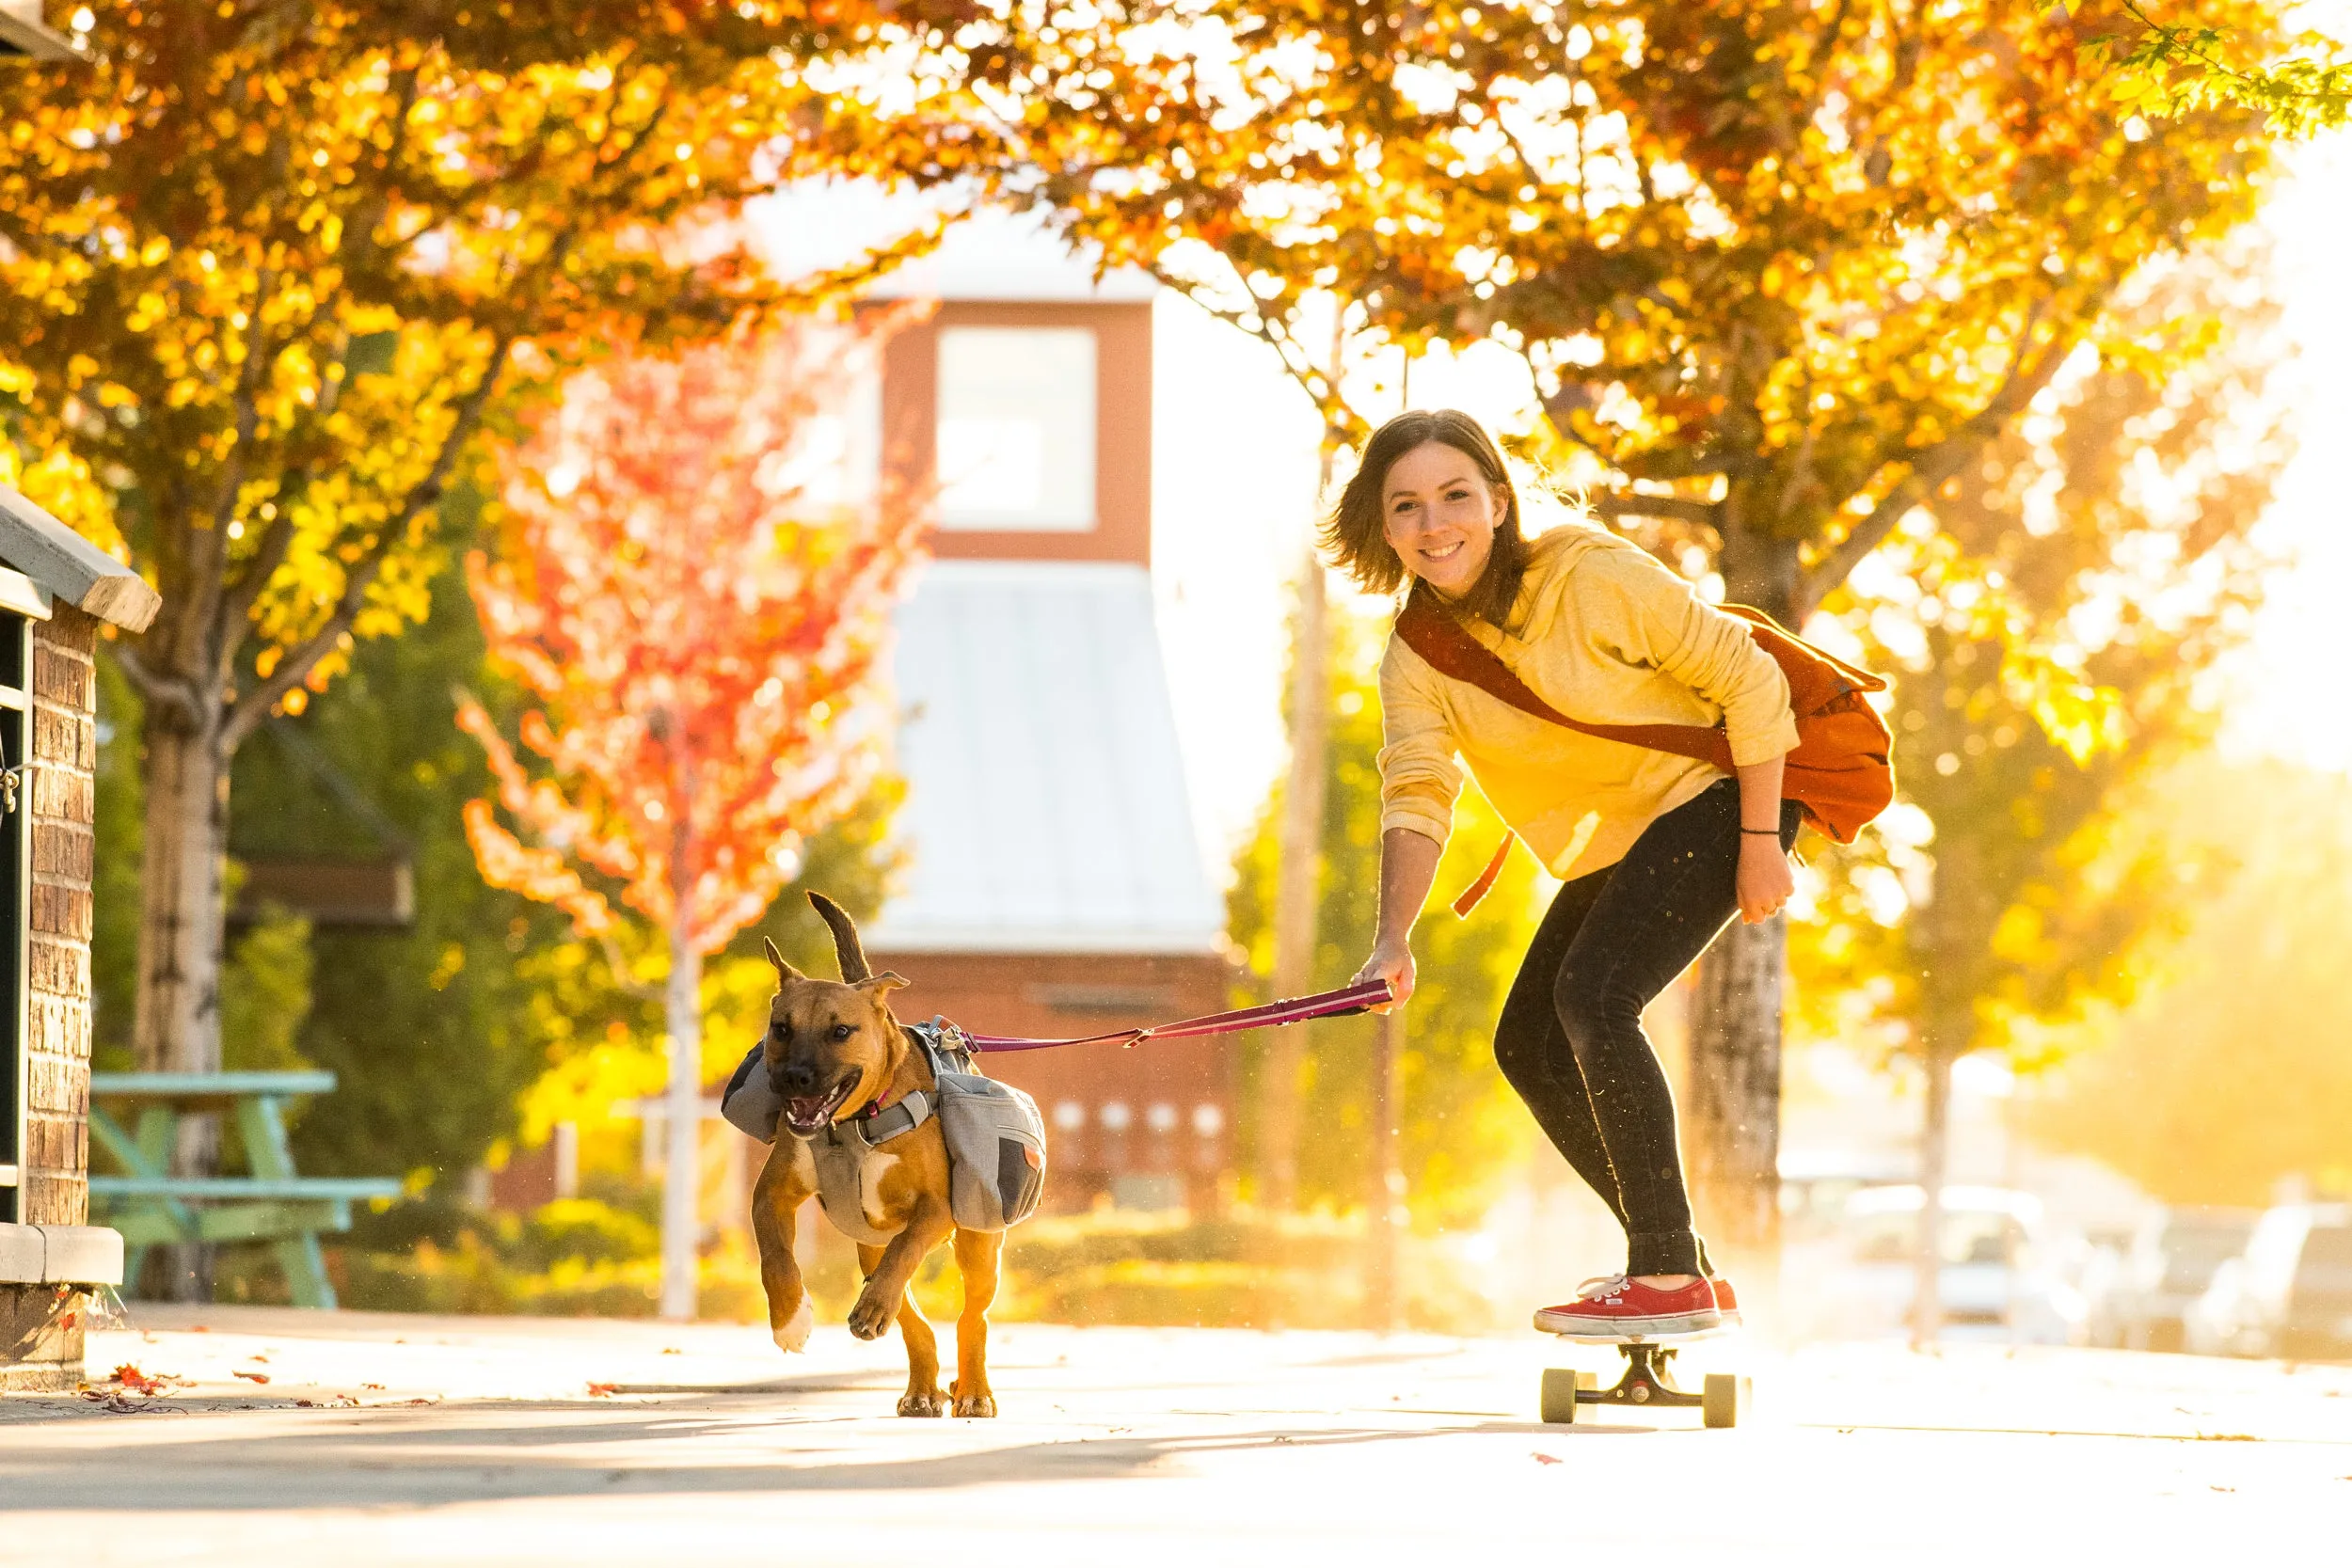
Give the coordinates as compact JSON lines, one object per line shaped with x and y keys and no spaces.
{"x":208,"y":560}
{"x":235,"y":606}
{"x":157,"y":691}
{"x":247,"y":712}
{"x":1627,"y":504}
{"x":1931,"y":466}
{"x":1317,"y":382}
{"x":643,"y":990}
{"x":236,"y":602}
{"x":252,"y":707}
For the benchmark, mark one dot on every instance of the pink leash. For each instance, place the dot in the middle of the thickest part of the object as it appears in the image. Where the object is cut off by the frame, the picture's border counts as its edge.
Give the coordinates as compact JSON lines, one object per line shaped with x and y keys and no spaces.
{"x":1330,"y":1004}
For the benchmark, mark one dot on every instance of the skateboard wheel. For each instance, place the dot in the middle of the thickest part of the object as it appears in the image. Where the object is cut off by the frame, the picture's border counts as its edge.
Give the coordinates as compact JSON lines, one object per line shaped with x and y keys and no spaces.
{"x":1723,"y":1399}
{"x":1559,"y":1397}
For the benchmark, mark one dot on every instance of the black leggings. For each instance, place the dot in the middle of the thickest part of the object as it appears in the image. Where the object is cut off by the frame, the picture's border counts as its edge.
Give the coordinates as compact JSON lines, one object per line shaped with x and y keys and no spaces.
{"x":1570,"y":1037}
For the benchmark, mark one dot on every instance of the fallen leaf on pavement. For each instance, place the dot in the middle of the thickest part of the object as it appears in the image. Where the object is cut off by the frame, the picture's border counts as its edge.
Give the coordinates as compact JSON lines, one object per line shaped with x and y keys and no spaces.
{"x":137,"y":1381}
{"x":1549,"y":1458}
{"x":256,"y":1377}
{"x":601,"y":1390}
{"x":377,"y":1386}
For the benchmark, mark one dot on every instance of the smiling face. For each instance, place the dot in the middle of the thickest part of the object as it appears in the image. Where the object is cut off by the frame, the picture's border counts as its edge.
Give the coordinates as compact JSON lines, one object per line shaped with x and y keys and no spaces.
{"x":1439,"y":515}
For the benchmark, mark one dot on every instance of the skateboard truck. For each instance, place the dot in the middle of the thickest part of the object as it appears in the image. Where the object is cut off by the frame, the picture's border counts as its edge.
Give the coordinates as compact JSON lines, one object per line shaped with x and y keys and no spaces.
{"x":1647,"y":1382}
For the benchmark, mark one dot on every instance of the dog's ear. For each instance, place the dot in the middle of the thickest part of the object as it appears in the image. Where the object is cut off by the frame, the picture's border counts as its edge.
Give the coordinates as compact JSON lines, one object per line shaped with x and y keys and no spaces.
{"x":886,"y":982}
{"x":786,"y":974}
{"x":845,"y":943}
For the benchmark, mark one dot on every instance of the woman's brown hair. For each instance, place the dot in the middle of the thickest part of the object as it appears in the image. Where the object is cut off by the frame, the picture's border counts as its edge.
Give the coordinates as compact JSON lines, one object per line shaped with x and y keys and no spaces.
{"x":1357,"y":536}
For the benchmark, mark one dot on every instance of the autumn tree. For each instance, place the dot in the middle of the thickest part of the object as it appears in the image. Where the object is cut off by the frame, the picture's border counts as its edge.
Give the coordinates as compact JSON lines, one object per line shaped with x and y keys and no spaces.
{"x":2054,"y":620}
{"x":265,"y":268}
{"x":698,"y":625}
{"x":1779,"y":269}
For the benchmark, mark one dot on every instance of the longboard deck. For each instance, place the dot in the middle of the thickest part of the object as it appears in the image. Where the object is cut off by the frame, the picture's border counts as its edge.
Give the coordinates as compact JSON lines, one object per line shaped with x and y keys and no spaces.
{"x":1716,"y":1333}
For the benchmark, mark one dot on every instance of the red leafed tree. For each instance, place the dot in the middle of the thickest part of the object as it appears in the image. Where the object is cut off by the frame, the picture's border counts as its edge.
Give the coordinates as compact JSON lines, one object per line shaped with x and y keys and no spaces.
{"x":698,"y":623}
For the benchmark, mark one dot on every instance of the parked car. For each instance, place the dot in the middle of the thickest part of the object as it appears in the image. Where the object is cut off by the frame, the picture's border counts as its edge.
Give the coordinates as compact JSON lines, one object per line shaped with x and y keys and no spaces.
{"x":2288,"y":1294}
{"x":2164,"y":1268}
{"x":1998,"y":1279}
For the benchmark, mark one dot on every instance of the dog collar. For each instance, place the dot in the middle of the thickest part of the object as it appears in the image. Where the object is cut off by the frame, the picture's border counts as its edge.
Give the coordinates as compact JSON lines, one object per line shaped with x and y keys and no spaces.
{"x":879,"y":1124}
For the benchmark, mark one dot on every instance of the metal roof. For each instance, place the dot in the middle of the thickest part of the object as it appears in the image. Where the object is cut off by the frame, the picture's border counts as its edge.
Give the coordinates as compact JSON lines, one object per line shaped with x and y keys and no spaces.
{"x":1046,"y":810}
{"x":22,"y":34}
{"x":61,"y":562}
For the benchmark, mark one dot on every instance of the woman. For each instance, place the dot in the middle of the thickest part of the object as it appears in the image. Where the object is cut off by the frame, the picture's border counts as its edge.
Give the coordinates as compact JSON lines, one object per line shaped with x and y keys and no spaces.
{"x":1656,"y":851}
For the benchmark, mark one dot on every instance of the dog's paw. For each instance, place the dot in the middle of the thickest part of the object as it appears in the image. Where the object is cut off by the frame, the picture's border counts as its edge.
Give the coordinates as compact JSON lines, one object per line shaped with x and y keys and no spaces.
{"x":932,"y":1403}
{"x":976,"y":1404}
{"x":870,"y":1318}
{"x":793,"y":1334}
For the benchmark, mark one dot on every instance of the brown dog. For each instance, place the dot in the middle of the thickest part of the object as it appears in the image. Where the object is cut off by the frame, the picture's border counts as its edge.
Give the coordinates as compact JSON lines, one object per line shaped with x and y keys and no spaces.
{"x":832,"y":1051}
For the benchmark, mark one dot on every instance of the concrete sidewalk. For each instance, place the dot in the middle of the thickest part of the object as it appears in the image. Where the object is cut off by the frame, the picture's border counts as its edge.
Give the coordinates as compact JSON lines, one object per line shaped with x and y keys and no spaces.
{"x":382,"y":1439}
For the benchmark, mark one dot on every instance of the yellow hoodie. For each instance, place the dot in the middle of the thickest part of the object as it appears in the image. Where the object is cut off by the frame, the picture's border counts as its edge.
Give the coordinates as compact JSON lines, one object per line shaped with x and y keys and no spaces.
{"x":1605,"y":634}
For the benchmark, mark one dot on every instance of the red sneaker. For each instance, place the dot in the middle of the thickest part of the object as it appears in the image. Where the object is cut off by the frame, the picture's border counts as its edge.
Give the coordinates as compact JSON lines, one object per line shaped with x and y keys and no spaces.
{"x":1615,"y":1307}
{"x":1725,"y":1302}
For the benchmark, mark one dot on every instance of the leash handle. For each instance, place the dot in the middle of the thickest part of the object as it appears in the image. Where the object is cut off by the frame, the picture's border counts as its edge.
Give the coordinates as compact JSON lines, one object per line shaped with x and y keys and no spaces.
{"x":1343,"y":1003}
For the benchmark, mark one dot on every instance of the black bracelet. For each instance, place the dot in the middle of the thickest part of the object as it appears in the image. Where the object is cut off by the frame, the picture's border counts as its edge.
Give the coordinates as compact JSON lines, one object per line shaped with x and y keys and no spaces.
{"x":1774,"y":831}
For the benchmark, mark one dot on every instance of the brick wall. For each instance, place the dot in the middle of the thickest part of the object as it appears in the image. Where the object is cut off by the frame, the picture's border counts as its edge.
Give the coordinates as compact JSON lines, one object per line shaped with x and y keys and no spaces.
{"x":1052,"y":995}
{"x":64,"y":806}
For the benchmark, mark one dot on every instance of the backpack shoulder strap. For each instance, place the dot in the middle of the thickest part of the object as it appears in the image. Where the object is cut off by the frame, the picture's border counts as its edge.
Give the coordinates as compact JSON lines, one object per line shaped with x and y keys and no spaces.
{"x":1817,"y":677}
{"x":1449,"y":648}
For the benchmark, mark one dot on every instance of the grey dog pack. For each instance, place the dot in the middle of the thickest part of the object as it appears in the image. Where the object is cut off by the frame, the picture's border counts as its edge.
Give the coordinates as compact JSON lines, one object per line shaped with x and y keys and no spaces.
{"x":996,"y":1138}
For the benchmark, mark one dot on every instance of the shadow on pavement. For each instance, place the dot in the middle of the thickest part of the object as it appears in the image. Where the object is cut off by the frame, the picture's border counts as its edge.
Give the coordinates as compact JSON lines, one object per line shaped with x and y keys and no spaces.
{"x":199,"y":1467}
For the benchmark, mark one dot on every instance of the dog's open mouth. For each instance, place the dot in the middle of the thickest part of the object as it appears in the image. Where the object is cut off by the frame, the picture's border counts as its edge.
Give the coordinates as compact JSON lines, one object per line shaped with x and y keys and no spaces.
{"x":809,"y":1114}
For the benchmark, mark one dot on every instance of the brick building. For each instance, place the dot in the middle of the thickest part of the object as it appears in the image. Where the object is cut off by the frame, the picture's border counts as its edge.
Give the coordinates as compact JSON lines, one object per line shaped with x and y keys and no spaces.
{"x":56,"y":588}
{"x":1053,"y":879}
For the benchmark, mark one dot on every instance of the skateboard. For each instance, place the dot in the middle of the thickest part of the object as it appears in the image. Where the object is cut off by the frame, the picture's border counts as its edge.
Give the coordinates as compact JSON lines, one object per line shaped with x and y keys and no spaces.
{"x":1722,"y":1399}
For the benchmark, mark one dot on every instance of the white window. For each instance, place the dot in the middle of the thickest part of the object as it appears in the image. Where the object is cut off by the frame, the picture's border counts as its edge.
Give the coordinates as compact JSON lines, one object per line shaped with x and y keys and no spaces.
{"x":1016,"y":428}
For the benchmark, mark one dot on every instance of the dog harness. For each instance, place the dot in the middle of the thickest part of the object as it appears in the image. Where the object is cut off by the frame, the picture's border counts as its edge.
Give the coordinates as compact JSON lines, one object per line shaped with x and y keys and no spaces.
{"x":849,"y":1153}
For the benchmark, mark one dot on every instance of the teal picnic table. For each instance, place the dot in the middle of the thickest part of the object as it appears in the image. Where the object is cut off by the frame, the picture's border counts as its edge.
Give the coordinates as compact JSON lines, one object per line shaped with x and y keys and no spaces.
{"x":149,"y":1206}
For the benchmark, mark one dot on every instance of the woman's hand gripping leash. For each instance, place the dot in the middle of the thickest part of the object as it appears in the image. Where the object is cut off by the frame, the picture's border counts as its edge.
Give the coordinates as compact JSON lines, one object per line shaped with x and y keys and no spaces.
{"x":1408,"y":865}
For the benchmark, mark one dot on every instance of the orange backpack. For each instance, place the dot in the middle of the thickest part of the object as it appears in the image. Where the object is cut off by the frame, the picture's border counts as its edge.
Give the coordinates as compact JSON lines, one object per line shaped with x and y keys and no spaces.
{"x":1842,"y":773}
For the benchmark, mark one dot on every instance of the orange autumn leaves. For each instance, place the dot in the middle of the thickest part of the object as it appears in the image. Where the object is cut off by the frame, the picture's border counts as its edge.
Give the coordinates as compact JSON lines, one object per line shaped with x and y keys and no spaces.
{"x":693,"y":598}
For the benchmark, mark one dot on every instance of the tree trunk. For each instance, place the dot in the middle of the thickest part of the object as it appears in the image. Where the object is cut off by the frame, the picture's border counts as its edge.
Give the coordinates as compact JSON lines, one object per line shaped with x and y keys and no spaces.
{"x":1936,"y":1137}
{"x":1734,"y":1123}
{"x":682,"y":1181}
{"x":1298,"y":885}
{"x":177,"y":1024}
{"x":1733,"y":1118}
{"x":1384,"y":1199}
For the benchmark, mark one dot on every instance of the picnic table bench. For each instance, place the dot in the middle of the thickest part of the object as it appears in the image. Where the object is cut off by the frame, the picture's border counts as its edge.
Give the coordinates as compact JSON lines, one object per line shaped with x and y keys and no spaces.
{"x":149,"y":1206}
